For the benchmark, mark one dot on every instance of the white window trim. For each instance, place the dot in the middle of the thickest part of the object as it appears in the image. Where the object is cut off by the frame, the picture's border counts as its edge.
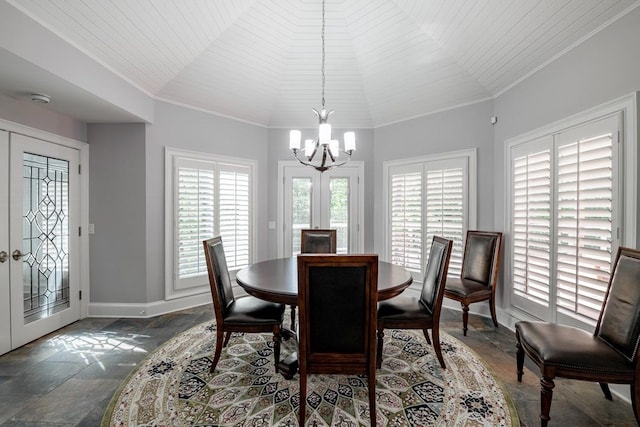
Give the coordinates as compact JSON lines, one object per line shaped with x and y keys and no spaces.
{"x":202,"y":285}
{"x":628,"y":160}
{"x":470,"y":155}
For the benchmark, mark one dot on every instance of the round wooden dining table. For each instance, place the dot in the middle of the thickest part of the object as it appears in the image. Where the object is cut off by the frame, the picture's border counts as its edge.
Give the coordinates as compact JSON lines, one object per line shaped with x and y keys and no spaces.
{"x":276,"y":280}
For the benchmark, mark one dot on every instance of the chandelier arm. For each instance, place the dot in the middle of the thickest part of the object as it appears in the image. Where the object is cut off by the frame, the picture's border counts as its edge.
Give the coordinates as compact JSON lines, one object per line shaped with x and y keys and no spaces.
{"x":324,"y":156}
{"x":321,"y":167}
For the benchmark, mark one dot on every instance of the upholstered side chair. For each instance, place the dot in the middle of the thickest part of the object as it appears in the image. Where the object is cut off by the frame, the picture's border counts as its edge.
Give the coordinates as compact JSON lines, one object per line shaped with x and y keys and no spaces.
{"x":244,"y":314}
{"x":608,"y":355}
{"x":318,"y":241}
{"x":409,"y":312}
{"x":479,"y":275}
{"x":337,"y":299}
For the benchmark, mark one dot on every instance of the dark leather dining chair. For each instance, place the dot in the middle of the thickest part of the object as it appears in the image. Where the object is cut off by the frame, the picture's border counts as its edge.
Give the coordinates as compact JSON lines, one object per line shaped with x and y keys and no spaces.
{"x":409,"y":312}
{"x":318,"y":241}
{"x":609,"y":355}
{"x":479,"y":275}
{"x":244,"y":314}
{"x":337,"y":296}
{"x":315,"y":241}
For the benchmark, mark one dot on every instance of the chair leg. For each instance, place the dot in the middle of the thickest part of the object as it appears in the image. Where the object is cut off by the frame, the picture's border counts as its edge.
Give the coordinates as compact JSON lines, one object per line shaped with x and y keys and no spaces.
{"x":302,"y":409}
{"x":546,"y":394}
{"x":492,"y":307}
{"x":606,"y":391}
{"x":379,"y":349}
{"x":426,"y":336}
{"x":372,"y":400}
{"x":216,"y":357}
{"x":436,"y":346}
{"x":519,"y":358}
{"x":635,"y":401}
{"x":227,"y":337}
{"x":465,"y":318}
{"x":276,"y":347}
{"x":293,"y":318}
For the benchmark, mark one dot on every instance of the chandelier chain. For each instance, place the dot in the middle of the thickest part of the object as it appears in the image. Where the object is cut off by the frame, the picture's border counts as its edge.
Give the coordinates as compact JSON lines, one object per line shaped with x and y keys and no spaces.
{"x":323,"y":145}
{"x":323,"y":55}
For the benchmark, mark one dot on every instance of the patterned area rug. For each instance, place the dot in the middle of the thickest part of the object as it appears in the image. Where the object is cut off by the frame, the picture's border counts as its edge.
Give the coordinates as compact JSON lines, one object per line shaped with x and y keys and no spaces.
{"x":173,"y":387}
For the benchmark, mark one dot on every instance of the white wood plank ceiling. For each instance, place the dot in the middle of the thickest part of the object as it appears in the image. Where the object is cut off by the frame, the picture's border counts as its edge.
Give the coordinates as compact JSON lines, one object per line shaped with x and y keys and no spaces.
{"x":386,"y":60}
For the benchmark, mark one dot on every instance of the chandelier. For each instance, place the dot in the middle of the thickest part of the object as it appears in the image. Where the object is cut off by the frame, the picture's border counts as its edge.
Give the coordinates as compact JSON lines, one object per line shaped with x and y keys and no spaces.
{"x":322,"y":153}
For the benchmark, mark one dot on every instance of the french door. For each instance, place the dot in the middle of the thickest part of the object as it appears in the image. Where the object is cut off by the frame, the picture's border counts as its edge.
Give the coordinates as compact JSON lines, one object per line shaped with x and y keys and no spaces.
{"x":39,"y":238}
{"x":310,"y":199}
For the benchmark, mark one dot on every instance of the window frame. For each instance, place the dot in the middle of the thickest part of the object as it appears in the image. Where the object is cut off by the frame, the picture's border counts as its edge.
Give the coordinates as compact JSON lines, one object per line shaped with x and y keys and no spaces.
{"x":199,"y":283}
{"x":468,"y":157}
{"x":624,"y":177}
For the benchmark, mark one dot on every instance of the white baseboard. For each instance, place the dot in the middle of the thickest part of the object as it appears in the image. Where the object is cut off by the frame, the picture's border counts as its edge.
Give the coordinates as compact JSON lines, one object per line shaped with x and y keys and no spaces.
{"x":144,"y":310}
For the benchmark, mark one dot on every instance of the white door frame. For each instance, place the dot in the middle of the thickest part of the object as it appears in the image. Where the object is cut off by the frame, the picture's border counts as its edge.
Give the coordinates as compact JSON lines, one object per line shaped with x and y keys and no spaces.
{"x":5,"y":299}
{"x":282,"y":164}
{"x":83,"y":201}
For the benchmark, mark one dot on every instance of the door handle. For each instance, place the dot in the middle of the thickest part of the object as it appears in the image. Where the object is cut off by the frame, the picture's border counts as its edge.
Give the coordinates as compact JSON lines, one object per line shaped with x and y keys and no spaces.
{"x":3,"y":256}
{"x":16,"y":254}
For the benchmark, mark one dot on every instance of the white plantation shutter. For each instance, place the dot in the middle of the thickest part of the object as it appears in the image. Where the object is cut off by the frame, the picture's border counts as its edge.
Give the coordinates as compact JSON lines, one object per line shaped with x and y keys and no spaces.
{"x":445,"y":214}
{"x":234,"y":214}
{"x":195,"y":217}
{"x":209,"y":196}
{"x":584,"y":215}
{"x":563,"y":213}
{"x":406,"y":217}
{"x":531,"y":214}
{"x":429,"y":198}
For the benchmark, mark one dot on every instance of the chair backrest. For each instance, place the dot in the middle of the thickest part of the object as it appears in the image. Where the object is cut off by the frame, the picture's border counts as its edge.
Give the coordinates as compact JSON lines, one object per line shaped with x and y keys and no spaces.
{"x":317,"y":241}
{"x":337,"y":301}
{"x":435,"y":275}
{"x":481,"y":259}
{"x":619,"y":321}
{"x":219,"y":281}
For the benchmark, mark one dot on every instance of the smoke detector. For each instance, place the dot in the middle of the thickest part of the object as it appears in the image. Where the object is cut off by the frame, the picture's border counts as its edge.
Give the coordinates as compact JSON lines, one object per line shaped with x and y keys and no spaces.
{"x":40,"y":98}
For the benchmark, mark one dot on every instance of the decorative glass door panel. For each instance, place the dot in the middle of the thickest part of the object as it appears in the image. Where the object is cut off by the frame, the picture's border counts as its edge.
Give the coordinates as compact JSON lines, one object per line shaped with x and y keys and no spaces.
{"x":45,"y":248}
{"x":44,"y":237}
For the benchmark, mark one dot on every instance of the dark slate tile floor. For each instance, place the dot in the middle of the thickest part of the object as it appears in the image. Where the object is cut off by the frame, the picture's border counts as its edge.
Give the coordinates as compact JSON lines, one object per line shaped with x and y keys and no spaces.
{"x":68,"y":377}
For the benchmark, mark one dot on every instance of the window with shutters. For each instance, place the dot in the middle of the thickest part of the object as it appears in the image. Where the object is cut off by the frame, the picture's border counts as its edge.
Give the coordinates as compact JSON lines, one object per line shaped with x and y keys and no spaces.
{"x":565,"y":207}
{"x":429,"y":196}
{"x":207,"y":196}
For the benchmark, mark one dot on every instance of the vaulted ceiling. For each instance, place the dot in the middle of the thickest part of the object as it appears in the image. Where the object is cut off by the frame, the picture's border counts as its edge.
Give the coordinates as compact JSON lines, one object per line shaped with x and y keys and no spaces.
{"x":386,"y":60}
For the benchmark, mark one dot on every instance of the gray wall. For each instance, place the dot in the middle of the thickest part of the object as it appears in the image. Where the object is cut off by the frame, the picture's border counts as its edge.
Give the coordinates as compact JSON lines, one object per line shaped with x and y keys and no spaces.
{"x":462,"y":128}
{"x":601,"y":69}
{"x":127,"y":161}
{"x":187,"y":129}
{"x":29,"y":114}
{"x":117,"y":208}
